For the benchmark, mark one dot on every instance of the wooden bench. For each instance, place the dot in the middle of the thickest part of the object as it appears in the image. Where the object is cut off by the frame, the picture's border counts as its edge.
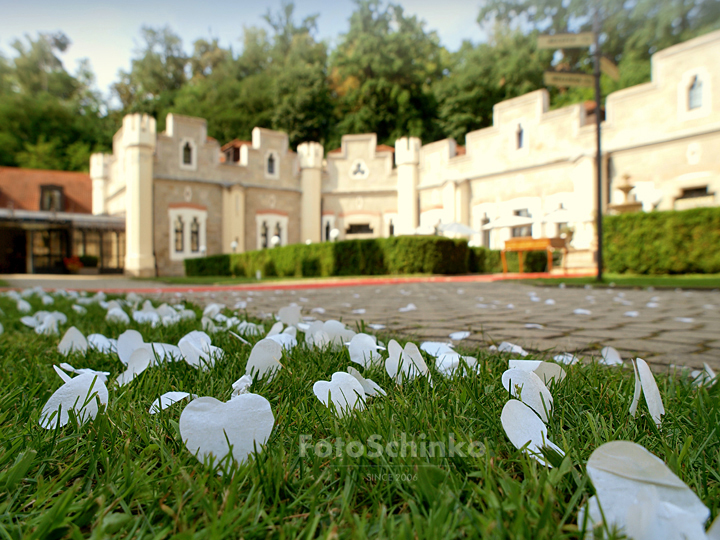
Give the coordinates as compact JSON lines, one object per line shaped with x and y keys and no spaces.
{"x":527,"y":243}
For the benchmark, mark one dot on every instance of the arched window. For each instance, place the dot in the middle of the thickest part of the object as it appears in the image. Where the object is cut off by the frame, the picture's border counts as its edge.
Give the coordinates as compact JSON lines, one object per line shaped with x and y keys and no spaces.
{"x":392,"y":229}
{"x":519,"y":136}
{"x":179,"y":233}
{"x":695,"y":94}
{"x":327,"y":230}
{"x":271,"y":164}
{"x":187,"y":154}
{"x":264,"y":234}
{"x":278,"y":232}
{"x":195,"y":236}
{"x":485,"y":233}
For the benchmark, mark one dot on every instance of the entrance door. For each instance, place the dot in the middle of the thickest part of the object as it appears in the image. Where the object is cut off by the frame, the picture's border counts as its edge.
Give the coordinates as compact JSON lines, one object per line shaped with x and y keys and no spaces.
{"x":13,"y":251}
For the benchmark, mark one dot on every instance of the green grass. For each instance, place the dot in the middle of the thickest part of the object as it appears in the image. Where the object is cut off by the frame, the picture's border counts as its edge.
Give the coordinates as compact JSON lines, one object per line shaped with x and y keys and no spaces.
{"x":127,"y":474}
{"x":4,"y":283}
{"x":685,"y":281}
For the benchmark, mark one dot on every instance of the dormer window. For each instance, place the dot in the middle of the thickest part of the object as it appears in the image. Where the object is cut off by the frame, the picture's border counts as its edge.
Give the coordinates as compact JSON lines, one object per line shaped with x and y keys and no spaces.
{"x":695,"y":94}
{"x":188,"y":154}
{"x":271,"y":164}
{"x":52,"y":198}
{"x":519,"y":135}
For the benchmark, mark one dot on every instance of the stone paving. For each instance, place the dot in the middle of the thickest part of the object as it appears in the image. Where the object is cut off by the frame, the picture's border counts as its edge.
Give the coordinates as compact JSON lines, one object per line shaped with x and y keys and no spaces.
{"x":670,"y":327}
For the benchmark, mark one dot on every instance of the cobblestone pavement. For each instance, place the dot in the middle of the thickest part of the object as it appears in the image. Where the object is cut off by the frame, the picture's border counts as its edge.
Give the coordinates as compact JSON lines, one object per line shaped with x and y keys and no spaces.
{"x":663,"y":327}
{"x":668,"y":327}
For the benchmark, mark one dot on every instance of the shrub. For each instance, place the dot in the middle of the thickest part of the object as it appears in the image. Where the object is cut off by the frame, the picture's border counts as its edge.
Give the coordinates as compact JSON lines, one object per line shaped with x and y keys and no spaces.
{"x":488,"y":261}
{"x":396,"y":255}
{"x":89,"y":261}
{"x":671,"y":242}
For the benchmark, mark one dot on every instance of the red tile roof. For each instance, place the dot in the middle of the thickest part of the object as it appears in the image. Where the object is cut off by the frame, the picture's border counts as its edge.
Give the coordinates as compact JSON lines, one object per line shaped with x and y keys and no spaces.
{"x":20,"y":188}
{"x":378,"y":148}
{"x":235,"y":143}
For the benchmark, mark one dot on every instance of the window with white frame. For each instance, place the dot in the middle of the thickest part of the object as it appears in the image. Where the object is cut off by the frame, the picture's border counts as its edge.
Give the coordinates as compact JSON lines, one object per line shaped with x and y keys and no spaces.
{"x":695,"y":94}
{"x":272,"y":164}
{"x":269,"y":225}
{"x":188,"y":238}
{"x":188,"y":155}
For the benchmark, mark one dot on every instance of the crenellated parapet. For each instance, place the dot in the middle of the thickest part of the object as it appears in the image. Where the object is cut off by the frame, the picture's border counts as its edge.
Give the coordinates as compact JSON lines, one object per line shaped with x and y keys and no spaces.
{"x":139,"y":130}
{"x":310,"y":155}
{"x":407,"y":151}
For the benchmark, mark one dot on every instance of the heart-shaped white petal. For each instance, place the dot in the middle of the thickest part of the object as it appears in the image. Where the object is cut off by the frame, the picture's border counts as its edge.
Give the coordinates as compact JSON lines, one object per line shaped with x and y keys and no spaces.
{"x":566,"y":358}
{"x":529,"y":388}
{"x":81,"y":394}
{"x":409,"y":307}
{"x":23,"y":306}
{"x":166,"y":400}
{"x":264,"y":360}
{"x":363,"y":350}
{"x":30,"y":322}
{"x":208,"y":425}
{"x":101,"y":375}
{"x":276,"y":329}
{"x":344,"y":390}
{"x":506,"y":346}
{"x":72,"y":341}
{"x":645,"y":383}
{"x":405,"y":364}
{"x":370,"y":387}
{"x":610,"y":357}
{"x":287,"y":341}
{"x":546,"y":371}
{"x":242,"y":385}
{"x":128,"y":342}
{"x":639,"y":494}
{"x":581,"y":311}
{"x":448,"y":363}
{"x":117,"y":315}
{"x":523,"y":426}
{"x":457,"y":336}
{"x":212,"y":309}
{"x":436,"y":348}
{"x":79,"y":309}
{"x":289,"y":315}
{"x":139,"y":361}
{"x":48,"y":326}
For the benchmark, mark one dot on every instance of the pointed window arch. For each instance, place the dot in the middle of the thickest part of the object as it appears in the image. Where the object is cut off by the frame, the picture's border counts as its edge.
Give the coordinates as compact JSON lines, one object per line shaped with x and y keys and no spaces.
{"x":187,"y":154}
{"x":695,"y":94}
{"x":519,"y":134}
{"x":264,"y":234}
{"x":271,"y":164}
{"x":195,"y":235}
{"x":179,"y":234}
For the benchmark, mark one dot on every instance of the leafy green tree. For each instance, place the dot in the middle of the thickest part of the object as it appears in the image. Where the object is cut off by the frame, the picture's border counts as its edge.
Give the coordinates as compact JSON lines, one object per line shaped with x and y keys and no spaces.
{"x":41,"y":155}
{"x":38,"y":69}
{"x":509,"y":65}
{"x":381,"y":73}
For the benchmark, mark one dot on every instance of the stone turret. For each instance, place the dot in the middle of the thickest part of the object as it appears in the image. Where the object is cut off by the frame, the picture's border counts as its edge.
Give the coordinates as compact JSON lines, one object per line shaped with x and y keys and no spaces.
{"x":310,"y":155}
{"x":407,"y":160}
{"x":100,"y":174}
{"x":139,"y":137}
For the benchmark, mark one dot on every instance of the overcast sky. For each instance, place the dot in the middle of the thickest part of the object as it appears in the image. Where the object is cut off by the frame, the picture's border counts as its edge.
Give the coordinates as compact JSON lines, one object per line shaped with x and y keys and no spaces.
{"x":107,"y":32}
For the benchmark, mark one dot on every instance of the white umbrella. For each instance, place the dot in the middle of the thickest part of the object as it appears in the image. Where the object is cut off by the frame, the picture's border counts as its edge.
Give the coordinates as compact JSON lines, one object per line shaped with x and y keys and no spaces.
{"x":425,"y":229}
{"x":509,"y":221}
{"x":563,"y":215}
{"x":457,"y":228}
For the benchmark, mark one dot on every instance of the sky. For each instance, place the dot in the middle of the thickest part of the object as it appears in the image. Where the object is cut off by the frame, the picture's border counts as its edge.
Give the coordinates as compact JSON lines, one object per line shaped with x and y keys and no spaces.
{"x":107,"y":33}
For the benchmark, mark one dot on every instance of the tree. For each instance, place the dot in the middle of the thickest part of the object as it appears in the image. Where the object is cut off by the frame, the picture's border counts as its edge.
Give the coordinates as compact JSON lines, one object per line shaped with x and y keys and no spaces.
{"x":38,"y":69}
{"x":381,"y":73}
{"x":509,"y":65}
{"x":157,"y":72}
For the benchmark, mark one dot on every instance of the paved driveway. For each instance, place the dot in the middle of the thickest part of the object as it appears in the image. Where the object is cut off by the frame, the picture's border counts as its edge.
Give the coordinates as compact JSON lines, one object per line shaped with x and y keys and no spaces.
{"x":663,"y":327}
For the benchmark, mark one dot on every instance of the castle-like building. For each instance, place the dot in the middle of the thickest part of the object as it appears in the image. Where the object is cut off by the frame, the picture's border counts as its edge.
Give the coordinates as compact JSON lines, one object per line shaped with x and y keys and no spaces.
{"x":532,"y":173}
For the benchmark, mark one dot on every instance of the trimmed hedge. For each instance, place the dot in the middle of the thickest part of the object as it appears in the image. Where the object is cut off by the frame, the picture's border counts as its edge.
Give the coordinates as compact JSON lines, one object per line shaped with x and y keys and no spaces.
{"x":488,"y":261}
{"x":672,"y":242}
{"x":395,"y":255}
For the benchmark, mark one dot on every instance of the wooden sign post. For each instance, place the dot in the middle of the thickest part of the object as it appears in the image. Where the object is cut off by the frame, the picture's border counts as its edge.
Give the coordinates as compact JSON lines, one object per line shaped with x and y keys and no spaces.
{"x":565,"y":79}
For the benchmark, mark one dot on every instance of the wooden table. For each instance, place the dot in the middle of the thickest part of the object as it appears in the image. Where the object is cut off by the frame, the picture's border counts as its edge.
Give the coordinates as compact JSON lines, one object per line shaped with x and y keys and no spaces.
{"x":527,"y":243}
